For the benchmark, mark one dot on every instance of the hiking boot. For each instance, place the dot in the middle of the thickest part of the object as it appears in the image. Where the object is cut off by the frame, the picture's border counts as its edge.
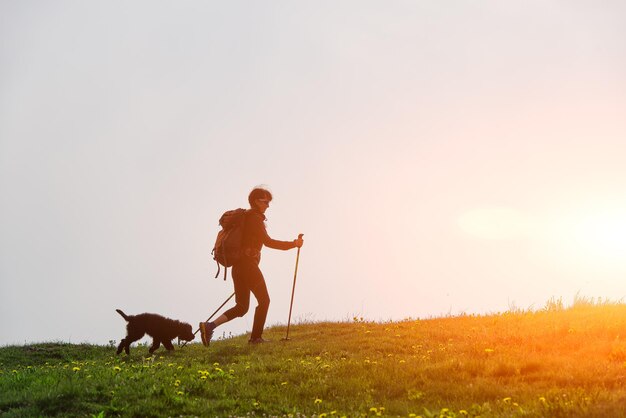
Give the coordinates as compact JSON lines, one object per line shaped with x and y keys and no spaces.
{"x":257,"y":340}
{"x":206,"y":332}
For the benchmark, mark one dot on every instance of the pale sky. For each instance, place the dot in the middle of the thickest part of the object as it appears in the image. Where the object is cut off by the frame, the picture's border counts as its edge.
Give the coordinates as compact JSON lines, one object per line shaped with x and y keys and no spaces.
{"x":440,"y":157}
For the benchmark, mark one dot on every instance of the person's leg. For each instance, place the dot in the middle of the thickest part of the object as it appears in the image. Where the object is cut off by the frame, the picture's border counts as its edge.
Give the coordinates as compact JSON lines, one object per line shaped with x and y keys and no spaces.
{"x":259,"y":289}
{"x":242,"y":304}
{"x":241,"y":282}
{"x":222,"y":319}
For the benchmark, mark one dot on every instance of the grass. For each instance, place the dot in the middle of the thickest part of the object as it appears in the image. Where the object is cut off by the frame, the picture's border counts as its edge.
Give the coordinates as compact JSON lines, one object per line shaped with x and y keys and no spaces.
{"x":557,"y":362}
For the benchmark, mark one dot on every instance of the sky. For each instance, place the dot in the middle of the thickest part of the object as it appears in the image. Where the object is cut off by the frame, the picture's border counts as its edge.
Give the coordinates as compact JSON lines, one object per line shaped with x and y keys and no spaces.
{"x":440,"y":158}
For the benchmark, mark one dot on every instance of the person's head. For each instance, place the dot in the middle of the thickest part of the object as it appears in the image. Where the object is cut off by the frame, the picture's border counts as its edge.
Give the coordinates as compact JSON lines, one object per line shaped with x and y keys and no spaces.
{"x":259,"y":199}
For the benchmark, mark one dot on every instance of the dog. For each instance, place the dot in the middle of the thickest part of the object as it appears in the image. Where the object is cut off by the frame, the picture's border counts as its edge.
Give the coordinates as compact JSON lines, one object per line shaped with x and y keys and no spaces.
{"x":161,"y":329}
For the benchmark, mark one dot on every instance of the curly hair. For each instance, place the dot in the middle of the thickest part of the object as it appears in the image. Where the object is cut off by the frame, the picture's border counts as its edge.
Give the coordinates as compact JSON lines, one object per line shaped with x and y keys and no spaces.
{"x":259,"y":192}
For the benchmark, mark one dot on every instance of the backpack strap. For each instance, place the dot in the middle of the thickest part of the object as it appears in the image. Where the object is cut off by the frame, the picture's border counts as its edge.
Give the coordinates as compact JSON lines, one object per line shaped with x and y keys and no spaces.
{"x":219,"y":268}
{"x":218,"y":264}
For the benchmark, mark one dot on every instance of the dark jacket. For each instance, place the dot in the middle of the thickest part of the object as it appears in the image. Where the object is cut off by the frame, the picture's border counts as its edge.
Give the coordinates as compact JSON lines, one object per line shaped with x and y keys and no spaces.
{"x":255,"y":236}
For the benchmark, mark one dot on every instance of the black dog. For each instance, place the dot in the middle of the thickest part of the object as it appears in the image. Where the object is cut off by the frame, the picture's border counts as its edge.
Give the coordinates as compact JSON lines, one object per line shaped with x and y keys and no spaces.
{"x":161,"y":329}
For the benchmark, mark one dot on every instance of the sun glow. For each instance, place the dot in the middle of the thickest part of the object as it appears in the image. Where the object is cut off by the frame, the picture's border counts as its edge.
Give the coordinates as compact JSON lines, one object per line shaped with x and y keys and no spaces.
{"x":601,"y":235}
{"x":494,"y":223}
{"x":590,"y":237}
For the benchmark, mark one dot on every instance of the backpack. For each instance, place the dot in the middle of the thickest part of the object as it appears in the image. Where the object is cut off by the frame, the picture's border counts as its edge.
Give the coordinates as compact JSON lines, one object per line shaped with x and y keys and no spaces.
{"x":227,"y":248}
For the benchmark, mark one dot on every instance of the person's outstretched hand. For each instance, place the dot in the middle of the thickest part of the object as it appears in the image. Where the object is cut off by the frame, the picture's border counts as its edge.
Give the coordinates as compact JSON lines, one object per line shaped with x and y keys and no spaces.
{"x":299,"y":241}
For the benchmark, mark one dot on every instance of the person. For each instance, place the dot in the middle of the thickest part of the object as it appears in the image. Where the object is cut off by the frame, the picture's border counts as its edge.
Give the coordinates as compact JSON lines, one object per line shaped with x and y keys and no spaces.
{"x":247,"y":277}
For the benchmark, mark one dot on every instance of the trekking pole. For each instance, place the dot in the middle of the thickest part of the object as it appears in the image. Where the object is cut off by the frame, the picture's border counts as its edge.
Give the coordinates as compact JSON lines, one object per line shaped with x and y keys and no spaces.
{"x":293,"y":290}
{"x":212,"y":315}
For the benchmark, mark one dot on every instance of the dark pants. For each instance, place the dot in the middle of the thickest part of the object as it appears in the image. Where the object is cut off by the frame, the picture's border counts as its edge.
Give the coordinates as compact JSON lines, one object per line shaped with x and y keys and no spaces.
{"x":247,"y":277}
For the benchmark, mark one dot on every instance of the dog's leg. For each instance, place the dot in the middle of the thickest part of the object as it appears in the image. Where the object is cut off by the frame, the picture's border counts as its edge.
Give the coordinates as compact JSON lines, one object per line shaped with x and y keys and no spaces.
{"x":133,"y":335}
{"x":121,"y":346}
{"x":155,"y":345}
{"x":168,"y":345}
{"x":124,"y":345}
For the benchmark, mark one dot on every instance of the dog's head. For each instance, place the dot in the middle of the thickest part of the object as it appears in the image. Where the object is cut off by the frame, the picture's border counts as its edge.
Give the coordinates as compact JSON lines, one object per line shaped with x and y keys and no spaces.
{"x":186,"y":332}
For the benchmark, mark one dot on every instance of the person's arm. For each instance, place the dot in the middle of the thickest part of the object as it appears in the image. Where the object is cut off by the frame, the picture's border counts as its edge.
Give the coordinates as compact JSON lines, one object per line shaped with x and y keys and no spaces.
{"x":276,"y":244}
{"x":258,"y":227}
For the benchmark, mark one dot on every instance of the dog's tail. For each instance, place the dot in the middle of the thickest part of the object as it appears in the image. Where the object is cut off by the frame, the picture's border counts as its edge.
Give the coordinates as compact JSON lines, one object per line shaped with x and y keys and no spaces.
{"x":119,"y":311}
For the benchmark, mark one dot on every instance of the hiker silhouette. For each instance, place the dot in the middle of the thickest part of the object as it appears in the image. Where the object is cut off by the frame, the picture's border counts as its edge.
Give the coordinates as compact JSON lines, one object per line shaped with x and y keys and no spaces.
{"x":247,"y":277}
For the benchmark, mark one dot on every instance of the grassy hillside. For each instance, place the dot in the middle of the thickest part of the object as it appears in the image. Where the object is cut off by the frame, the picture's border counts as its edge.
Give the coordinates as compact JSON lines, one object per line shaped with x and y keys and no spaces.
{"x":557,"y":362}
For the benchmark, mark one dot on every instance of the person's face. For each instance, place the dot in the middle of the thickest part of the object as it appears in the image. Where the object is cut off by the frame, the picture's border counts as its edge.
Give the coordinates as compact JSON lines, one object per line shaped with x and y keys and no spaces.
{"x":262,"y":204}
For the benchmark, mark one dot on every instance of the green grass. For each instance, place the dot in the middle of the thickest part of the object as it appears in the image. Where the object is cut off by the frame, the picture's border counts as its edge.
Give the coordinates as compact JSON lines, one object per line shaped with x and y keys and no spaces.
{"x":557,"y":362}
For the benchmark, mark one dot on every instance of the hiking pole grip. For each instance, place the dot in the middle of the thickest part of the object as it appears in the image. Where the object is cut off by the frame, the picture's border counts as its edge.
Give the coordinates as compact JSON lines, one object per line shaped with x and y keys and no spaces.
{"x":295,"y":273}
{"x":293,"y":289}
